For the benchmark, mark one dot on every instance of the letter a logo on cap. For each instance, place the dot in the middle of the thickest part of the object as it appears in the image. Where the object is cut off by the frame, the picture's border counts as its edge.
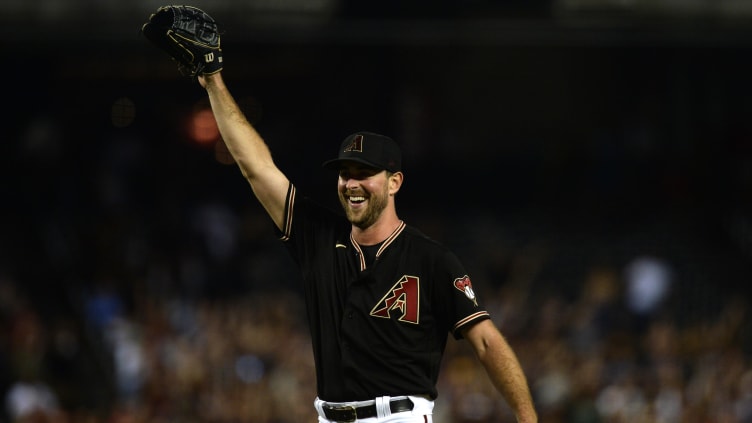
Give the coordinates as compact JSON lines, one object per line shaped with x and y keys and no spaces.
{"x":356,"y":144}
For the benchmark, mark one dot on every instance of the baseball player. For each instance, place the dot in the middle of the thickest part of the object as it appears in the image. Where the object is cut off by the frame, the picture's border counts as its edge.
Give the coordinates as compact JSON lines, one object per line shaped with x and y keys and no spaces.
{"x":381,"y":296}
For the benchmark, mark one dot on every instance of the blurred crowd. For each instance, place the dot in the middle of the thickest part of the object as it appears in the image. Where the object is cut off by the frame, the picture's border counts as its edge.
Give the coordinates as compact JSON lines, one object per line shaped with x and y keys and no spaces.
{"x":141,"y":283}
{"x":213,"y":331}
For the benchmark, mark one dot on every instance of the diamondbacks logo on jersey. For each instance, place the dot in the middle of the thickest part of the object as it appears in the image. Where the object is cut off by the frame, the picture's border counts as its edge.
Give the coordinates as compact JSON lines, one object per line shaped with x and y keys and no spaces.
{"x":356,"y":144}
{"x":464,"y":285}
{"x":403,"y":298}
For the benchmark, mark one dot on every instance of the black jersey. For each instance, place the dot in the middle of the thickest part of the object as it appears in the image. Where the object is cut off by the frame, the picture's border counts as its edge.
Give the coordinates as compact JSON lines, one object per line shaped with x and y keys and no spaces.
{"x":377,"y":328}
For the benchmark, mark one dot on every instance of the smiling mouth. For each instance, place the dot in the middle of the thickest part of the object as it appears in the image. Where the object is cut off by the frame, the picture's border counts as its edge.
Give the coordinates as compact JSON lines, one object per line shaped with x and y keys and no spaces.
{"x":357,"y":199}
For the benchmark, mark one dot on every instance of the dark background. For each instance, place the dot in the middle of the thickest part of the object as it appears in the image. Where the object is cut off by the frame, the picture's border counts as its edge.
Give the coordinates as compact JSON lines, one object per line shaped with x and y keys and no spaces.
{"x":602,"y":130}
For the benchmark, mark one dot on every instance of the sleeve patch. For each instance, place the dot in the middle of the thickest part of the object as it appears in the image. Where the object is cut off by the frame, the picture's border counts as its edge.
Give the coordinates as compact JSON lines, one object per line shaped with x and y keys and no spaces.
{"x":464,"y":285}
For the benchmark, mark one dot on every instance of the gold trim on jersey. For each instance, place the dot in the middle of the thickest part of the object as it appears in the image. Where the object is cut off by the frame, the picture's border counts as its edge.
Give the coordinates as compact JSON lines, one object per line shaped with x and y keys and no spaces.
{"x":288,"y":213}
{"x":385,"y":244}
{"x":469,"y":319}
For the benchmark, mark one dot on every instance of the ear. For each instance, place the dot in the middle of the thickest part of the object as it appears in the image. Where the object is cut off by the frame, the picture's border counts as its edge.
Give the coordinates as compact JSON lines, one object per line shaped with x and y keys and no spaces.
{"x":395,"y":182}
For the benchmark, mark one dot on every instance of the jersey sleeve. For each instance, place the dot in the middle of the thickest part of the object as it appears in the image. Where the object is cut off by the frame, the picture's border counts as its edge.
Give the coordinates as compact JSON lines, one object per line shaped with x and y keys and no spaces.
{"x":284,"y":233}
{"x":459,"y":296}
{"x":308,"y":228}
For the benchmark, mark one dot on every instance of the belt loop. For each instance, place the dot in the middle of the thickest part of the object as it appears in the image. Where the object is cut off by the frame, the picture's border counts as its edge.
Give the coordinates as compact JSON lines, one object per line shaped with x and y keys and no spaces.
{"x":383,"y":408}
{"x":318,"y":404}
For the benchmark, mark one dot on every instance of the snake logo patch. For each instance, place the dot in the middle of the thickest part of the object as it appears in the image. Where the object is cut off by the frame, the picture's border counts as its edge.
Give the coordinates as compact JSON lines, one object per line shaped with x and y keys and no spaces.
{"x":464,"y":285}
{"x":403,"y":298}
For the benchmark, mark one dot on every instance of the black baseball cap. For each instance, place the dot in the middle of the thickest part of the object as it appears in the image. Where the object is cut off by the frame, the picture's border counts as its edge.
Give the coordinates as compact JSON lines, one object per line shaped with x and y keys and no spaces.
{"x":378,"y":151}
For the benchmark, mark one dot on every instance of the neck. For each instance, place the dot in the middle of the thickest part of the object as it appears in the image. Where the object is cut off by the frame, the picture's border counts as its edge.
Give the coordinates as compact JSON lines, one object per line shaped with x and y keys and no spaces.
{"x":377,"y":232}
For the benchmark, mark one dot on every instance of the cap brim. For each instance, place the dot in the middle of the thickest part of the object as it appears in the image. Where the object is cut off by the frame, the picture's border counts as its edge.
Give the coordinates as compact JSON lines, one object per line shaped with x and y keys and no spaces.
{"x":336,"y":164}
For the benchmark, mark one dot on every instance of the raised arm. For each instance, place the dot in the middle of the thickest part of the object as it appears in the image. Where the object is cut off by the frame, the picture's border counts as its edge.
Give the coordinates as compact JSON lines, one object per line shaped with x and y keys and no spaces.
{"x":248,"y":149}
{"x":503,"y":368}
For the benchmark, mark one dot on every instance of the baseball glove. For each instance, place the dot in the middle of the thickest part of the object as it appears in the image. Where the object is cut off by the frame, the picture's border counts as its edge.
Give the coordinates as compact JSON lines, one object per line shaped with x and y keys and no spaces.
{"x":189,"y":35}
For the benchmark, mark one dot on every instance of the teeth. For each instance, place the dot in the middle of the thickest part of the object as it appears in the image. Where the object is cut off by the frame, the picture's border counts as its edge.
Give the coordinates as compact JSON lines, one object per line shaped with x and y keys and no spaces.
{"x":357,"y":199}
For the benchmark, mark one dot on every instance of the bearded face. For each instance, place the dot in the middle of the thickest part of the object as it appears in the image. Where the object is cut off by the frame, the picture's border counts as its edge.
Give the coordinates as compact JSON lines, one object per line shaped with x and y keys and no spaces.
{"x":364,"y":194}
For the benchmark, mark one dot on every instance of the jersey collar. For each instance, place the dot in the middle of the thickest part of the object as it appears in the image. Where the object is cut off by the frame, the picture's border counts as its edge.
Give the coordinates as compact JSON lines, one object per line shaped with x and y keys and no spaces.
{"x":383,"y":247}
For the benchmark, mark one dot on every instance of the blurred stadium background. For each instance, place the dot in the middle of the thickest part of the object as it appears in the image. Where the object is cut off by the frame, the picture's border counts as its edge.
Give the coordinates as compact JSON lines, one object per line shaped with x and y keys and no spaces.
{"x":589,"y":160}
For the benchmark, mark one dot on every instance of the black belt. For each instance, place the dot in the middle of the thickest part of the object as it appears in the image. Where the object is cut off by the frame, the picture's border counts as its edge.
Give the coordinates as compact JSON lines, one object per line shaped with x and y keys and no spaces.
{"x":348,"y":413}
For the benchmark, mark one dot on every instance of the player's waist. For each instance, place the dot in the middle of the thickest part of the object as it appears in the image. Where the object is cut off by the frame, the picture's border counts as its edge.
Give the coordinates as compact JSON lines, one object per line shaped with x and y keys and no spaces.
{"x":379,"y":407}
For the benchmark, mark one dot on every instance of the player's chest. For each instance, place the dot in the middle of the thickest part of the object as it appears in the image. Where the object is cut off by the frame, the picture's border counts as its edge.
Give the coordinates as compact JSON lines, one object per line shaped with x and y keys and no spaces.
{"x":386,"y":286}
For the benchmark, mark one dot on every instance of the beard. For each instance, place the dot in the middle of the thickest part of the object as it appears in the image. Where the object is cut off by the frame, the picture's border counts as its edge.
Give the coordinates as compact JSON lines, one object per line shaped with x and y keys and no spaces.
{"x":364,"y":218}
